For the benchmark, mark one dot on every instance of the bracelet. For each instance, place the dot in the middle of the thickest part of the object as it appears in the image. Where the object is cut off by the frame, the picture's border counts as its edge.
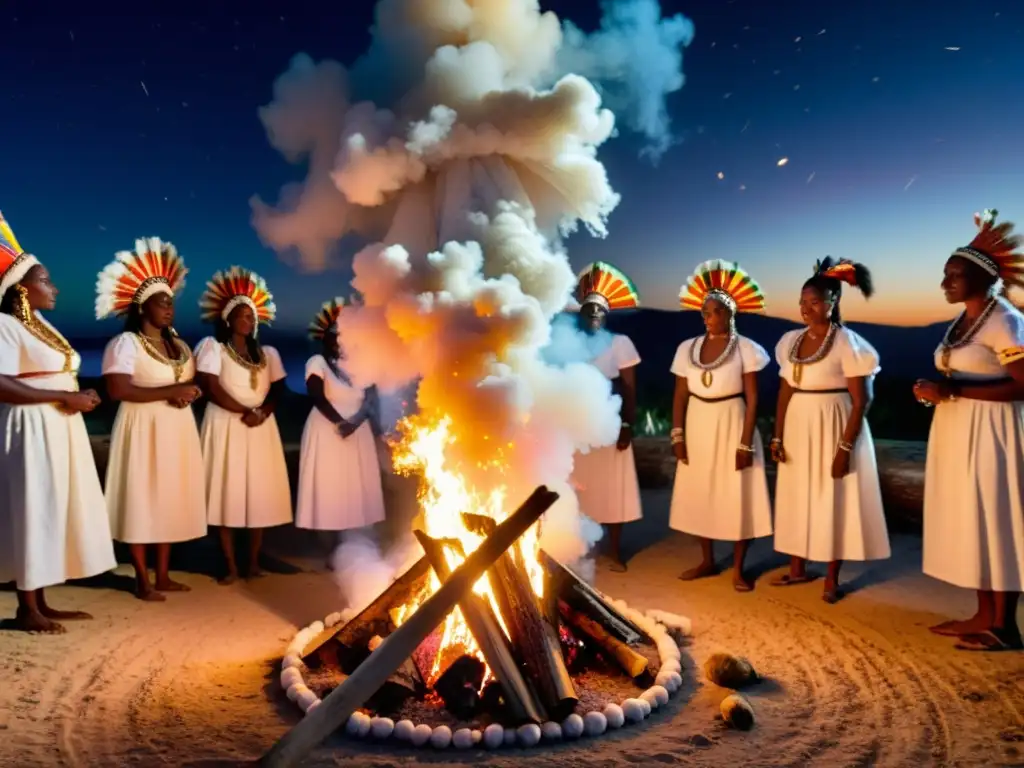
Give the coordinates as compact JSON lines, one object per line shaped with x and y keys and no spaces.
{"x":746,"y":448}
{"x":776,"y":441}
{"x":676,"y":431}
{"x":626,"y":425}
{"x":845,"y":446}
{"x":678,"y":440}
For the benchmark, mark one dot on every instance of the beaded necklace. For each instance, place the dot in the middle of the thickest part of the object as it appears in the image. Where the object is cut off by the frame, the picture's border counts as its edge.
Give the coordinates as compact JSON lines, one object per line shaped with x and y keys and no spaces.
{"x":160,"y":355}
{"x":253,"y":368}
{"x":49,"y":336}
{"x":707,"y":376}
{"x":819,"y":354}
{"x":948,"y":346}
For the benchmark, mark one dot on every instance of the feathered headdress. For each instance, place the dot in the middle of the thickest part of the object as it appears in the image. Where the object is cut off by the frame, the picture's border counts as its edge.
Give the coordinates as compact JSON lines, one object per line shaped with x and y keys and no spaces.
{"x":135,"y":276}
{"x":604,"y":284}
{"x":724,"y":281}
{"x":325,"y":318}
{"x":14,"y":262}
{"x":845,"y":271}
{"x":231,"y":288}
{"x":995,"y":249}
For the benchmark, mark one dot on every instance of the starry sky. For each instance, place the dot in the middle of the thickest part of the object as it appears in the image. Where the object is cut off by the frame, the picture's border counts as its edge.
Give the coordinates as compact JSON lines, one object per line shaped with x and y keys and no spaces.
{"x":895,"y":124}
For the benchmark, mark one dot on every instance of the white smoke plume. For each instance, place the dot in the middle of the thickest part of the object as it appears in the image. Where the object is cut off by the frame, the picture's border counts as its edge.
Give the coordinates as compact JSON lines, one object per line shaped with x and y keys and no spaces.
{"x":363,"y":571}
{"x":465,"y":180}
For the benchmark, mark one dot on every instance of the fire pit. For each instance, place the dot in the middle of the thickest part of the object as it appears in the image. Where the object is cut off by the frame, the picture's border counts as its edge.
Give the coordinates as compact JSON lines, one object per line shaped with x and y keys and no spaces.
{"x":511,"y":669}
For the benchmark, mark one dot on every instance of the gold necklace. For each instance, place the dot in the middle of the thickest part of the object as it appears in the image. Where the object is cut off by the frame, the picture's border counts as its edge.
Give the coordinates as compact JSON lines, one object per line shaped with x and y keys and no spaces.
{"x":159,"y":354}
{"x":52,"y":338}
{"x":253,"y":368}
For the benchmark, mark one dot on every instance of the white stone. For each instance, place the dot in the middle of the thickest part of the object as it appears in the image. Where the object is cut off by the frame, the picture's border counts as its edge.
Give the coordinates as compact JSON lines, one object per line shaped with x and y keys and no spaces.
{"x":594,"y":723}
{"x":676,"y":681}
{"x":295,"y":690}
{"x":290,"y":677}
{"x":382,"y":727}
{"x":421,"y":734}
{"x":305,"y":699}
{"x":462,"y":738}
{"x":291,"y":661}
{"x":510,"y":737}
{"x":404,"y":730}
{"x":364,"y":724}
{"x":672,"y":665}
{"x":315,"y":629}
{"x":441,"y":738}
{"x":347,"y":615}
{"x":572,"y":726}
{"x":614,"y":715}
{"x":528,"y":735}
{"x":478,"y":736}
{"x":659,"y":694}
{"x":314,"y":705}
{"x":645,"y":705}
{"x":551,"y":731}
{"x":633,"y":709}
{"x":332,"y":619}
{"x":352,"y":725}
{"x":494,"y":736}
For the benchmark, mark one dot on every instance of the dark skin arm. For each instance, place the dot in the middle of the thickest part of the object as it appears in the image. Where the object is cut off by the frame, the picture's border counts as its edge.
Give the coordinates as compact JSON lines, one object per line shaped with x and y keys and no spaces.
{"x":121,"y":389}
{"x":994,"y":392}
{"x":315,"y":390}
{"x":781,"y":406}
{"x":270,"y":402}
{"x":745,"y":459}
{"x":14,"y":392}
{"x":213,"y":389}
{"x":626,"y":386}
{"x":680,"y":402}
{"x":371,"y":411}
{"x":861,"y":394}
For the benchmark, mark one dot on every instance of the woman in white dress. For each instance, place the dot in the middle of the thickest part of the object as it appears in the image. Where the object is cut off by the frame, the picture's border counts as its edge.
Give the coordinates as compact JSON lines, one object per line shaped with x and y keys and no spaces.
{"x":154,"y":488}
{"x":974,"y":477}
{"x":340,"y":486}
{"x":720,"y":492}
{"x":52,"y":521}
{"x":828,"y":501}
{"x":246,"y":476}
{"x":605,"y":477}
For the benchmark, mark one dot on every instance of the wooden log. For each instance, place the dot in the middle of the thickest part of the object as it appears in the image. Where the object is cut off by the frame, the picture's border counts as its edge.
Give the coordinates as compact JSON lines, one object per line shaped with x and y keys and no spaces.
{"x":631,"y":662}
{"x":374,"y":619}
{"x":564,"y":583}
{"x":459,"y":686}
{"x":335,"y":710}
{"x":534,"y":638}
{"x":520,"y":706}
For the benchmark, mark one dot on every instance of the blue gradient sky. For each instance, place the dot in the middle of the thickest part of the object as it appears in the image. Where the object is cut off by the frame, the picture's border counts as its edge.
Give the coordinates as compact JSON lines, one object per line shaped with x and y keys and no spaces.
{"x":892,"y":140}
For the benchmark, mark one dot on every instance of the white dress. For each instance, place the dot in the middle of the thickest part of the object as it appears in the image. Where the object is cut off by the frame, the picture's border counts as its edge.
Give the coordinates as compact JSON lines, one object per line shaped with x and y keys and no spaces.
{"x":53,"y":525}
{"x":605,"y":477}
{"x":974,"y":476}
{"x":816,"y":517}
{"x":155,"y":490}
{"x":340,"y":483}
{"x":246,"y":476}
{"x":710,"y":498}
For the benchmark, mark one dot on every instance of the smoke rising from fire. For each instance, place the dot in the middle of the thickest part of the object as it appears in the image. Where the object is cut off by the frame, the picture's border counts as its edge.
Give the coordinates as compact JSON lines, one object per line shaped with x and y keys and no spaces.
{"x":482,"y":160}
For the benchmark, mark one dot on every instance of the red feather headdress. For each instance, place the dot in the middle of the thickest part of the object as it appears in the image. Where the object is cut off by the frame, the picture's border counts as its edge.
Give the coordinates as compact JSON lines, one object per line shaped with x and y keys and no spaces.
{"x":325,"y":318}
{"x":233,"y":287}
{"x":995,"y":249}
{"x":725,"y":281}
{"x":134,"y":276}
{"x":14,"y":262}
{"x":606,"y":285}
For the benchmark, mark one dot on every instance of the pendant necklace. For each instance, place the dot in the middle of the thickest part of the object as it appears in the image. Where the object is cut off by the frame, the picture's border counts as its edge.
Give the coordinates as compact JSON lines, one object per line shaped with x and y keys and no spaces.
{"x":707,"y":375}
{"x":819,"y":354}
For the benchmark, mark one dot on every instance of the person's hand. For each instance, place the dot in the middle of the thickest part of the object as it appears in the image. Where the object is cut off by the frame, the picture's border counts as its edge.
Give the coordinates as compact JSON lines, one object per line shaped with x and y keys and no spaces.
{"x":778,"y":451}
{"x":253,"y":418}
{"x":841,"y":464}
{"x":679,"y":449}
{"x":930,"y":392}
{"x":625,"y":437}
{"x":183,"y":395}
{"x":80,"y":402}
{"x":744,"y":459}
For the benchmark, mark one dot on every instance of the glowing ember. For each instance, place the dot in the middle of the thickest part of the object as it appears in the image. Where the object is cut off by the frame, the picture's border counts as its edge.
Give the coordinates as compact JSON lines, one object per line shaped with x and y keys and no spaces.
{"x":444,"y":495}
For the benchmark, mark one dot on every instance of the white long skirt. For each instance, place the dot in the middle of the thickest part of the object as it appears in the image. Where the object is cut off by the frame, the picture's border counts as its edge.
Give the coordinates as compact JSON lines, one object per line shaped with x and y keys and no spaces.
{"x":156,"y":490}
{"x":340,"y":483}
{"x":246,"y":475}
{"x":816,"y":517}
{"x":710,"y":498}
{"x":606,"y":485}
{"x":974,"y":496}
{"x":53,"y":525}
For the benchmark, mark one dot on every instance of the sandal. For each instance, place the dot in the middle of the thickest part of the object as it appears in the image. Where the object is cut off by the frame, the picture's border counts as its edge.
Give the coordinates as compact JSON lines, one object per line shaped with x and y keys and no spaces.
{"x":788,"y":580}
{"x":991,"y":640}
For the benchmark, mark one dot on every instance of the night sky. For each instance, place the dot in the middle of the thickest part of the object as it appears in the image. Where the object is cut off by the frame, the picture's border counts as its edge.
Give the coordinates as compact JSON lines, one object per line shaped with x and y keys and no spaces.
{"x":897,"y":123}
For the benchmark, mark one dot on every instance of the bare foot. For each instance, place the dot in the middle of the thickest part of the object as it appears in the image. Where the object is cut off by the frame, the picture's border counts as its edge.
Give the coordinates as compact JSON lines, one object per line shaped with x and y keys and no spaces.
{"x":231,"y":578}
{"x":255,"y":572}
{"x":36,"y":623}
{"x":702,"y":570}
{"x":956,"y":628}
{"x":149,"y":595}
{"x":51,"y":613}
{"x":742,"y":583}
{"x":169,"y":585}
{"x":792,"y":579}
{"x":832,"y":593}
{"x":615,"y":565}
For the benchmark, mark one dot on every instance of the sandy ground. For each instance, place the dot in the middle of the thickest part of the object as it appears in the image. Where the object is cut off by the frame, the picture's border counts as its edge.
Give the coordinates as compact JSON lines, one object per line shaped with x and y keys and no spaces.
{"x":856,"y":684}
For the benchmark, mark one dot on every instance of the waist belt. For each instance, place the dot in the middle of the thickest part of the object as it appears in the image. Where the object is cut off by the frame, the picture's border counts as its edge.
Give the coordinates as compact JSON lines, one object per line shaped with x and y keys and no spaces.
{"x":822,"y":391}
{"x":717,"y":399}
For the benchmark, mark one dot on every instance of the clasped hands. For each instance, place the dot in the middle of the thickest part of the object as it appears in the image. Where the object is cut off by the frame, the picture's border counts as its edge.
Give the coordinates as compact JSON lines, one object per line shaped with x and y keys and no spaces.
{"x":184,"y":395}
{"x":931,"y":393}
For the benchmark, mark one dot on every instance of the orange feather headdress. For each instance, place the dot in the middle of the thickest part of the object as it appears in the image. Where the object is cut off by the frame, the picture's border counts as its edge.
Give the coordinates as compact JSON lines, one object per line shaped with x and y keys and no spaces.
{"x":135,"y":276}
{"x":233,"y":287}
{"x":725,"y":281}
{"x":606,"y":285}
{"x":14,"y":262}
{"x":325,"y":318}
{"x":996,"y":249}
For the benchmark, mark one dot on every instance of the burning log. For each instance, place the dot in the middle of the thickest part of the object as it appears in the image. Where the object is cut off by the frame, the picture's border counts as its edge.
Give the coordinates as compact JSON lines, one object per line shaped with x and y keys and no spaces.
{"x":459,"y":686}
{"x":520,"y":706}
{"x":534,"y":637}
{"x":633,"y":663}
{"x":374,"y":619}
{"x":364,"y":682}
{"x":563,"y":583}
